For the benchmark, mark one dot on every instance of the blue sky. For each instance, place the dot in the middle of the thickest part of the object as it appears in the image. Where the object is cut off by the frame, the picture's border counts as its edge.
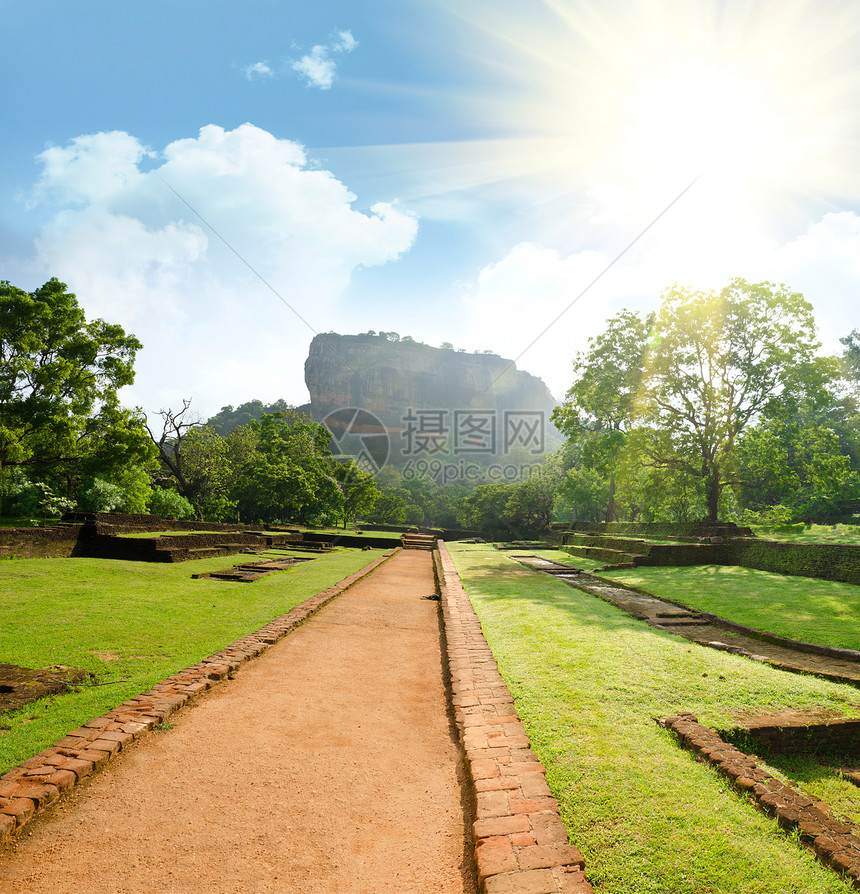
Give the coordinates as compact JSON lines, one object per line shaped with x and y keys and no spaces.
{"x":224,"y":180}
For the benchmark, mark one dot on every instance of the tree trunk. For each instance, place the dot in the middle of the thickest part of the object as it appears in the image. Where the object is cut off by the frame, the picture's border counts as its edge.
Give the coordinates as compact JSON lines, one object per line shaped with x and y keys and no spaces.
{"x":713,"y":484}
{"x":610,"y":503}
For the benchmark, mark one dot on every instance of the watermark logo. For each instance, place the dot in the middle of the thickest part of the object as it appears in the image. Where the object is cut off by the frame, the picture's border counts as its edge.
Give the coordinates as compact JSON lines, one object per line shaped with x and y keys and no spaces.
{"x":473,"y":432}
{"x":360,"y":434}
{"x":463,"y":471}
{"x":448,"y":445}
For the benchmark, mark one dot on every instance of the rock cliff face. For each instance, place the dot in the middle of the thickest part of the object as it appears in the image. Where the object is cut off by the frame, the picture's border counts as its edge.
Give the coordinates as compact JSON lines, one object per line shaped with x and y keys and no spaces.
{"x":378,"y":375}
{"x":409,"y":385}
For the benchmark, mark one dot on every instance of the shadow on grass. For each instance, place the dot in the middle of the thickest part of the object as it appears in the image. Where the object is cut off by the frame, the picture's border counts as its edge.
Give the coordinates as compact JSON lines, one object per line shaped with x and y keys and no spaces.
{"x":580,"y":634}
{"x":589,"y":681}
{"x":525,"y":586}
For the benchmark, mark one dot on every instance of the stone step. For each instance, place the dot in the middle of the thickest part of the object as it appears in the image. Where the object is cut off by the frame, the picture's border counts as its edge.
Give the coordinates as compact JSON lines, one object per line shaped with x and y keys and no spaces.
{"x":692,"y":622}
{"x":418,"y":541}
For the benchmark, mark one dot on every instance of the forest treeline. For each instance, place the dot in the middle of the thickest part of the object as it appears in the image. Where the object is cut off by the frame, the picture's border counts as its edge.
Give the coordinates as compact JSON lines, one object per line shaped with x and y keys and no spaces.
{"x":719,"y":405}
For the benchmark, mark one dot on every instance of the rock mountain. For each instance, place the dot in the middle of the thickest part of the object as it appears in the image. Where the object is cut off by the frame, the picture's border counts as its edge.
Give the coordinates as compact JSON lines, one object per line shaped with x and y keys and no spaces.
{"x":430,"y":401}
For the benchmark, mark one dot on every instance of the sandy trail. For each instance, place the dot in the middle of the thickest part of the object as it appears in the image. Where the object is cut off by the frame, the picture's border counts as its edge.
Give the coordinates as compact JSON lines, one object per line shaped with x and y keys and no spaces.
{"x":327,"y":765}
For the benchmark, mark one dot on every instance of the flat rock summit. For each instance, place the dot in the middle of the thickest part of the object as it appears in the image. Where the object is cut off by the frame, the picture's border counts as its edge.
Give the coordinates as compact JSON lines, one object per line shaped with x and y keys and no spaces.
{"x":460,"y":403}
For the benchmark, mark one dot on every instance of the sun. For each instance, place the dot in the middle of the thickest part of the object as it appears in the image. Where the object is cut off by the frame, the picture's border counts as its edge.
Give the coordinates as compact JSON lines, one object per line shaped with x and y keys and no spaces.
{"x":758,"y":100}
{"x":690,"y":119}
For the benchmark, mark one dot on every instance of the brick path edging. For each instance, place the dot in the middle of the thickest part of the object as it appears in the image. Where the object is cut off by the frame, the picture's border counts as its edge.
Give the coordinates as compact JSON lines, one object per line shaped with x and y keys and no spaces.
{"x":835,"y":843}
{"x":521,"y":844}
{"x":29,"y":788}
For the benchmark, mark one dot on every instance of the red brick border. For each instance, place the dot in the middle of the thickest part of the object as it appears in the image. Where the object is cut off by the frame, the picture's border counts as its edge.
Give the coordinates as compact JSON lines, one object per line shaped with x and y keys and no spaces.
{"x":836,"y":843}
{"x":521,"y":844}
{"x":30,"y":787}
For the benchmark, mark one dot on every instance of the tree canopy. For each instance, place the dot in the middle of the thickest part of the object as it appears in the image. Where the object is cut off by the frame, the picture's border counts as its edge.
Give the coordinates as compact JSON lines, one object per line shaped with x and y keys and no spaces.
{"x":718,"y":404}
{"x":227,"y":419}
{"x":599,"y":407}
{"x":716,"y":361}
{"x":59,"y":377}
{"x":275,"y":468}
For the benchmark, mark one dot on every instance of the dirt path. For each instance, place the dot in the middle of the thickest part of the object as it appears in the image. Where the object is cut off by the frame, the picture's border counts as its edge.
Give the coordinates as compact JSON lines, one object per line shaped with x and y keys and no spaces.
{"x":327,"y":765}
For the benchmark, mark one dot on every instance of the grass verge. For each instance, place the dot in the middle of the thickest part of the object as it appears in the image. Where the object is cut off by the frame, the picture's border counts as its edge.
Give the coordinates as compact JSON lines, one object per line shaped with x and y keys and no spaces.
{"x":823,"y":612}
{"x":589,"y":681}
{"x":151,"y":535}
{"x":848,"y":534}
{"x":354,"y":532}
{"x":132,"y":624}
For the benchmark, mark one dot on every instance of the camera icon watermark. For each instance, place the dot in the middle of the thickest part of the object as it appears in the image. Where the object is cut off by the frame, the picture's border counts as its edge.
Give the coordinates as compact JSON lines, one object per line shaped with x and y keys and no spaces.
{"x":447,"y":445}
{"x":361,"y":435}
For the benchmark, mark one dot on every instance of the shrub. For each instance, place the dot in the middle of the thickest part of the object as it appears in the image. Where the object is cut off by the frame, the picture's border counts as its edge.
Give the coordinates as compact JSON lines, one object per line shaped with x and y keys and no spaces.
{"x":19,"y":497}
{"x":51,"y":504}
{"x":100,"y":496}
{"x":169,"y":504}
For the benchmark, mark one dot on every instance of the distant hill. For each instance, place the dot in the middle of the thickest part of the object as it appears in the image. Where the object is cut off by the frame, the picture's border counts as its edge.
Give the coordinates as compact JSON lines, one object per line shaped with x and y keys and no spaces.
{"x":433,"y":403}
{"x":228,"y":419}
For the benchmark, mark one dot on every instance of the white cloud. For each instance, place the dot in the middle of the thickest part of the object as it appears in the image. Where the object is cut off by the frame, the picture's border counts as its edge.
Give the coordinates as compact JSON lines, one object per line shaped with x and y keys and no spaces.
{"x":344,"y":43}
{"x":824,"y":264}
{"x":90,"y":168}
{"x":317,"y":67}
{"x":136,"y":254}
{"x":512,"y":301}
{"x":258,"y":69}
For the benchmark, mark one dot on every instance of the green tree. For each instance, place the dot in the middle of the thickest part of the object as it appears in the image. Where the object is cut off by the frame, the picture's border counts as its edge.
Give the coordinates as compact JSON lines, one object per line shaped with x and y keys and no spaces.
{"x":228,"y":419}
{"x":795,"y":464}
{"x":59,"y":376}
{"x":582,"y":494}
{"x":290,"y":475}
{"x":175,"y":427}
{"x":717,"y":360}
{"x":531,"y":503}
{"x":395,"y":507}
{"x":484,"y":509}
{"x":441,"y":506}
{"x":19,"y":497}
{"x":128,"y":491}
{"x":52,"y":504}
{"x":846,"y":420}
{"x":98,"y":495}
{"x":424,"y":493}
{"x":208,"y":472}
{"x":167,"y":503}
{"x":851,"y":356}
{"x":599,"y":407}
{"x":358,"y":489}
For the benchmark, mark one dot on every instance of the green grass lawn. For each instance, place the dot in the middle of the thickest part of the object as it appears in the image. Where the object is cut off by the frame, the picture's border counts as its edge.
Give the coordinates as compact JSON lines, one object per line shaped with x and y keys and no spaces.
{"x":26,"y":521}
{"x":848,"y":534}
{"x":357,"y":531}
{"x":589,"y":682}
{"x":149,"y":535}
{"x":823,"y":612}
{"x":132,"y":624}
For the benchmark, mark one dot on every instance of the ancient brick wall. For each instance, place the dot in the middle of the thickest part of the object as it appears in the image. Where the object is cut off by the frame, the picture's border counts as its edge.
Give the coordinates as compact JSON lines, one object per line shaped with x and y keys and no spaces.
{"x":39,"y":543}
{"x":840,"y":562}
{"x":840,"y":737}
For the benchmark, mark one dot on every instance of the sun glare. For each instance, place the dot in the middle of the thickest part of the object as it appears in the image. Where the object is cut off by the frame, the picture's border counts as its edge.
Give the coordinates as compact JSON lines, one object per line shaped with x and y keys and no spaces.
{"x":694,"y":120}
{"x":757,"y":99}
